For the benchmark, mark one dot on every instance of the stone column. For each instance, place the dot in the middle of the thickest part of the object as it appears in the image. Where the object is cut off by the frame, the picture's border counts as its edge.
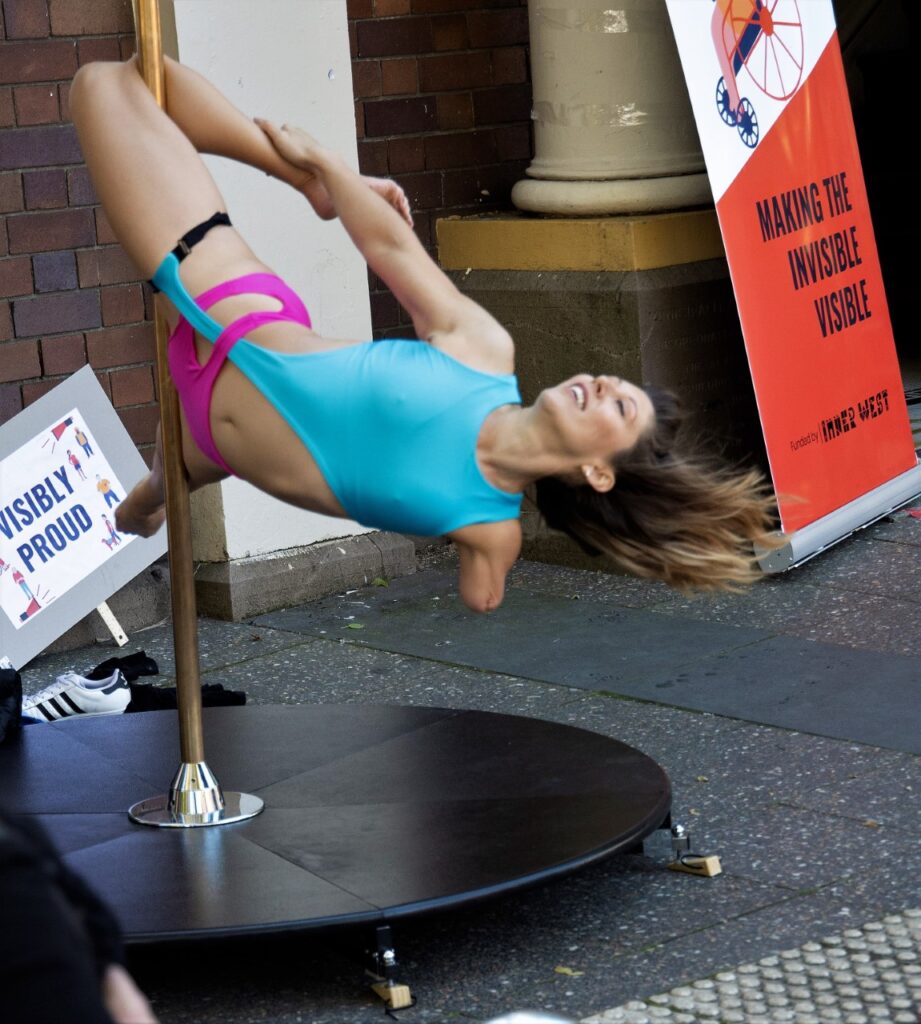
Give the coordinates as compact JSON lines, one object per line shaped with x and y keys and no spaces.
{"x":613,"y":128}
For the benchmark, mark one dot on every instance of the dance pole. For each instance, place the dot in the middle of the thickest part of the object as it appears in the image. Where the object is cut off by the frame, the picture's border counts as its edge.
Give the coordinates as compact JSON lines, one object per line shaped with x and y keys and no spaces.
{"x":195,"y":797}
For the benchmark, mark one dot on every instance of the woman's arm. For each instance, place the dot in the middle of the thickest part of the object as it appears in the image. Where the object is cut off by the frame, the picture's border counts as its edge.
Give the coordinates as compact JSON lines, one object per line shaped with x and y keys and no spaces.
{"x":393,"y":252}
{"x":486,"y":552}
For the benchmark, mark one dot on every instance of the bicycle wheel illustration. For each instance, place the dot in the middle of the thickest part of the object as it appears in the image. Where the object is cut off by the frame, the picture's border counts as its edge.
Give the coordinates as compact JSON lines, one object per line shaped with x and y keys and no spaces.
{"x":724,"y":103}
{"x":748,"y":123}
{"x":769,"y":44}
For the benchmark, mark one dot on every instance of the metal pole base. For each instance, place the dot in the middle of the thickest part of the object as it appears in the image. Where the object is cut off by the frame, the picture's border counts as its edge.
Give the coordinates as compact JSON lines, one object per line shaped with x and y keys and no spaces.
{"x":195,"y":799}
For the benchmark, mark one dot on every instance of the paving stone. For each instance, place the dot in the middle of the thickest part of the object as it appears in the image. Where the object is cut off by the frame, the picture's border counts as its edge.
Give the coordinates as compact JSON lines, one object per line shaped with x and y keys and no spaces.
{"x":714,"y":759}
{"x":821,"y":688}
{"x":733,"y":671}
{"x":589,"y":646}
{"x":864,"y":620}
{"x":797,"y":849}
{"x":889,"y":796}
{"x":898,"y":528}
{"x":864,"y":565}
{"x":582,"y":585}
{"x":330,"y":672}
{"x":219,"y":643}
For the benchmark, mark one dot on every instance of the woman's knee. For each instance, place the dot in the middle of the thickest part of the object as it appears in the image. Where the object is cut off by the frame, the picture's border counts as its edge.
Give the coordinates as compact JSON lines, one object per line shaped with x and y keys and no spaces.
{"x":93,"y":82}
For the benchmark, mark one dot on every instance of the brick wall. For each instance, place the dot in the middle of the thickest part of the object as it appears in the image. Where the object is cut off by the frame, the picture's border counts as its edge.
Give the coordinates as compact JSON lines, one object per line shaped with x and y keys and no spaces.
{"x":68,"y":295}
{"x":442,"y":104}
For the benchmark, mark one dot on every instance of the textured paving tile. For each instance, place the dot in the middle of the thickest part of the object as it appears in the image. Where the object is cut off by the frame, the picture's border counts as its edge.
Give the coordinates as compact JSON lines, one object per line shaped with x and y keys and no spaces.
{"x":641,"y":970}
{"x":604,"y":915}
{"x":862,"y":974}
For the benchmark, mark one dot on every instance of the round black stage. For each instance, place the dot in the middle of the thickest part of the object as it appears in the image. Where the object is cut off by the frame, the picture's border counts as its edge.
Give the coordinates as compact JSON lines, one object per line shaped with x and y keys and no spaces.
{"x":372,"y":813}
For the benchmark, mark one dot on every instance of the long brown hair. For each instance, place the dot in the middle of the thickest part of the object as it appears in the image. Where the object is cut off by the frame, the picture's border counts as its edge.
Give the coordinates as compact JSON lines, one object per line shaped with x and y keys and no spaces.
{"x":672,"y":515}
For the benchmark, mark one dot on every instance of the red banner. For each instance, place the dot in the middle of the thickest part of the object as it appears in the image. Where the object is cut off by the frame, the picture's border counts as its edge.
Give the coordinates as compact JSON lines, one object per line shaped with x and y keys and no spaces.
{"x":799,"y":240}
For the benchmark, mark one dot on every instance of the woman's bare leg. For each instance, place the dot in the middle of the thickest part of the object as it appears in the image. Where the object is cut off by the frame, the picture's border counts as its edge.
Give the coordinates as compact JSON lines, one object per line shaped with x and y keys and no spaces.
{"x":151,"y":181}
{"x":153,"y":186}
{"x":214,"y":125}
{"x":114,"y":112}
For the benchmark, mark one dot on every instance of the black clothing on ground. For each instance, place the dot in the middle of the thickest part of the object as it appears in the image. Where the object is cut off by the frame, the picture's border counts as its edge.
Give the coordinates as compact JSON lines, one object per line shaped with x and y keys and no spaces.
{"x":147,"y":697}
{"x":131,"y":666}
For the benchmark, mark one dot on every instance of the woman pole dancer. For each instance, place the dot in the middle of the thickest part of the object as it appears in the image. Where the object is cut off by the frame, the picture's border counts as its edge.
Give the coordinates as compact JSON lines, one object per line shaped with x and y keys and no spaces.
{"x":426,"y":438}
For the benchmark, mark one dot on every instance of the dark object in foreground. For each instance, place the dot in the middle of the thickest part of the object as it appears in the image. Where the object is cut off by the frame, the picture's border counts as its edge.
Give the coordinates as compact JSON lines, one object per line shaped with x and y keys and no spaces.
{"x":10,"y":701}
{"x":56,"y":935}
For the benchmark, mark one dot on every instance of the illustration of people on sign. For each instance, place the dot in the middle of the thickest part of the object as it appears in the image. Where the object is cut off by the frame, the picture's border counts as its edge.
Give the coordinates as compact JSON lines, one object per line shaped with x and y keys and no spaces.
{"x":113,"y":540}
{"x":766,"y":40}
{"x":75,"y":462}
{"x":33,"y":605}
{"x":83,"y":441}
{"x":105,"y":489}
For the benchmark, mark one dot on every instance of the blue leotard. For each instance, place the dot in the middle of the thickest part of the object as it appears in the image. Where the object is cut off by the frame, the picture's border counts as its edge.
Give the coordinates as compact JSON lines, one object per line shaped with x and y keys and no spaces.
{"x":392,"y":426}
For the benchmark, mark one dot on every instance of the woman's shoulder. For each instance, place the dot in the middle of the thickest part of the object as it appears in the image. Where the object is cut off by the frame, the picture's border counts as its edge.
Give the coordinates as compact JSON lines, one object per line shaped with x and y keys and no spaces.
{"x":500,"y":540}
{"x":479,"y":341}
{"x":486,"y":552}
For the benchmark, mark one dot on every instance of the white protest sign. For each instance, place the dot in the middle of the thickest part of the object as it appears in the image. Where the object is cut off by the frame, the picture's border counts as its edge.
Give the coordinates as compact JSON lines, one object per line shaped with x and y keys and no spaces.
{"x":65,"y":464}
{"x":57,"y":523}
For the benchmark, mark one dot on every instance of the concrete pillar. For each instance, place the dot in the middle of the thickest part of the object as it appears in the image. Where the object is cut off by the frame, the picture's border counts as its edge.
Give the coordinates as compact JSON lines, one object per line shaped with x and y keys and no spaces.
{"x":289,"y":61}
{"x":613,"y":126}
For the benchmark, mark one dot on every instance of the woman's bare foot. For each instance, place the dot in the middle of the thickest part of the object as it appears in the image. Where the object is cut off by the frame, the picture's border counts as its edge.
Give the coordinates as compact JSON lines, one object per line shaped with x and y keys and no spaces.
{"x":388,"y":190}
{"x":300,"y":150}
{"x":143,"y":511}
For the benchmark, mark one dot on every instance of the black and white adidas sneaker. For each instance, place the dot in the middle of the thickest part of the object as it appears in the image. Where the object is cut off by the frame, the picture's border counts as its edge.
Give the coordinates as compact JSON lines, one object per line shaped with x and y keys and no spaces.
{"x":71,"y":695}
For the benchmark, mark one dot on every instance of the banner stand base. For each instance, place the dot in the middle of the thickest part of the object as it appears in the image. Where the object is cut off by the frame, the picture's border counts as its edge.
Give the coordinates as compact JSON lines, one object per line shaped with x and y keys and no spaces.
{"x":813,"y":539}
{"x":112,"y":624}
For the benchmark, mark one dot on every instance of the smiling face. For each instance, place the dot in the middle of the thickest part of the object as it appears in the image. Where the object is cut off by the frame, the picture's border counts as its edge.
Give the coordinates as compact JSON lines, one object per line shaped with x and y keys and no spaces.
{"x":597,"y":418}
